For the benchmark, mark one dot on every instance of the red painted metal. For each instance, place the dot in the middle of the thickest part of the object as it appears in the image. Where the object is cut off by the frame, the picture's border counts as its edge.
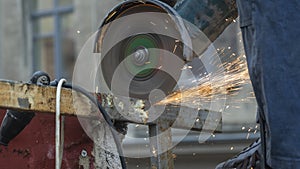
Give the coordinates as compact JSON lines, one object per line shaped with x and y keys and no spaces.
{"x":34,"y":148}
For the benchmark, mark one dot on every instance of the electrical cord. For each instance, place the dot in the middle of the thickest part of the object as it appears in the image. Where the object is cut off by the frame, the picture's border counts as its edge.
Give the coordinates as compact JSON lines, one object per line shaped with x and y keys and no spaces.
{"x":59,"y":128}
{"x":104,"y":114}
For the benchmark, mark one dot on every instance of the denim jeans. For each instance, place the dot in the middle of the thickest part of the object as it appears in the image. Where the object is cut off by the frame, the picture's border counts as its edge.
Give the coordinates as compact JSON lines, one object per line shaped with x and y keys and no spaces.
{"x":271,"y":36}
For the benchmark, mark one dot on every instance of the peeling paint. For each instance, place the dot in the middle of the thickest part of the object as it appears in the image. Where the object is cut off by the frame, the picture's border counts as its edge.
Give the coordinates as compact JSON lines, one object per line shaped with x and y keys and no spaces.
{"x":24,"y":103}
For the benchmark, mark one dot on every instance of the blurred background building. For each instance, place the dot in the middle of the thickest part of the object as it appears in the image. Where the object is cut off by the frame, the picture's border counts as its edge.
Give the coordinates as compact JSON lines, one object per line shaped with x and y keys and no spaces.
{"x":48,"y":35}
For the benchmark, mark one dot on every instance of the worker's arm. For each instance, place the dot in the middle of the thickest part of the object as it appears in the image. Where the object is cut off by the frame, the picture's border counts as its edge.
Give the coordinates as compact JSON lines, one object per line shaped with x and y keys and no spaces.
{"x":169,"y":2}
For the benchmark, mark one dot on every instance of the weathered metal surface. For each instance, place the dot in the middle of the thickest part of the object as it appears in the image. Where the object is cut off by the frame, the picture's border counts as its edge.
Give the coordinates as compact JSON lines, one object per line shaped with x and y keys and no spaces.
{"x":179,"y":117}
{"x":35,"y":146}
{"x":105,"y":151}
{"x":160,"y":145}
{"x":29,"y":97}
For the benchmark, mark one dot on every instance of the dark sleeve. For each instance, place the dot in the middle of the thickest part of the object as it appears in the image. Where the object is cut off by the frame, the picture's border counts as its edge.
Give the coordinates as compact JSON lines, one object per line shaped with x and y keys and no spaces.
{"x":211,"y":16}
{"x":169,"y":2}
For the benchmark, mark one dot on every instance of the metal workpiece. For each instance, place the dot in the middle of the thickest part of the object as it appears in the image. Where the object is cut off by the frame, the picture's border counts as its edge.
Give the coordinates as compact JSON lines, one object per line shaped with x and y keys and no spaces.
{"x":35,"y":98}
{"x":15,"y":121}
{"x":160,"y":137}
{"x":180,"y":117}
{"x":42,"y":99}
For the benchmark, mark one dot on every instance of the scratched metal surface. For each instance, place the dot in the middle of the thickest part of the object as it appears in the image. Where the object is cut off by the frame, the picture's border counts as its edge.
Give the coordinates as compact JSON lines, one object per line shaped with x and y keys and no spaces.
{"x":34,"y":148}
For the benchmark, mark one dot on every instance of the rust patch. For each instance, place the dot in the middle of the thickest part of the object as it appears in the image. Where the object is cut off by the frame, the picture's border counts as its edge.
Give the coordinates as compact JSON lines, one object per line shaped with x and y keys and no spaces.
{"x":22,"y":152}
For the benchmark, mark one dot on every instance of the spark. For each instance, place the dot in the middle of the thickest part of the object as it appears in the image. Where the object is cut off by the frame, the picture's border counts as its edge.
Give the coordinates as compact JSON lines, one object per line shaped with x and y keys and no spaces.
{"x":227,"y":81}
{"x":153,"y":23}
{"x":175,"y":48}
{"x":154,"y":152}
{"x":248,"y":135}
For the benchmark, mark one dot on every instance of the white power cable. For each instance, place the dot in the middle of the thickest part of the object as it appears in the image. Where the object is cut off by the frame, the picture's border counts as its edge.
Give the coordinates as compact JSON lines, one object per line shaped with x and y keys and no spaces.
{"x":58,"y":139}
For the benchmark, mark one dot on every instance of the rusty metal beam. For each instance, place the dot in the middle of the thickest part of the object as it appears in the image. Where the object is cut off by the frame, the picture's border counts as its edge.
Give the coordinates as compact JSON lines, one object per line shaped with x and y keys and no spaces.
{"x":160,"y":137}
{"x":30,"y":97}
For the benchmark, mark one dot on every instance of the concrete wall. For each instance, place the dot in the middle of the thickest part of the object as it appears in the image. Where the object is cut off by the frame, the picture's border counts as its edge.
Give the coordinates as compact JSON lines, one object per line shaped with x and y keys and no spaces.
{"x":16,"y":39}
{"x":14,"y":63}
{"x":88,"y":17}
